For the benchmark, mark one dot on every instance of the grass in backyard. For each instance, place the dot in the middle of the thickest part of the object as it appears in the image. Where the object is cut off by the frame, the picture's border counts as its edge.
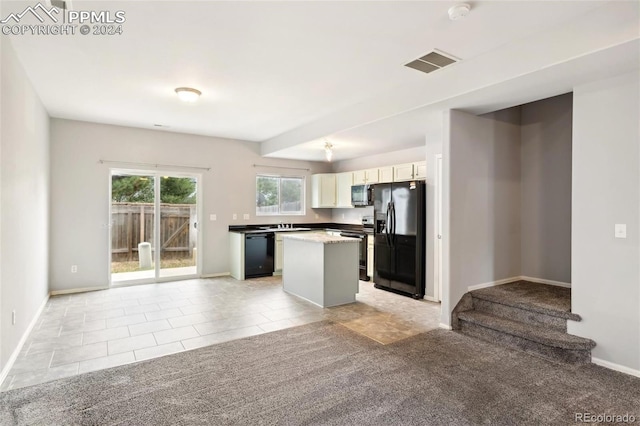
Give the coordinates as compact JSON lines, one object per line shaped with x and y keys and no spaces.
{"x":132,"y":266}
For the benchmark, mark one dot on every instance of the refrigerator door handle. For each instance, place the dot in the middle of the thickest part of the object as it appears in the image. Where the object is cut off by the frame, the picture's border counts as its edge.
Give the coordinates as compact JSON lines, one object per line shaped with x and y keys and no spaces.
{"x":388,"y":223}
{"x":393,"y":223}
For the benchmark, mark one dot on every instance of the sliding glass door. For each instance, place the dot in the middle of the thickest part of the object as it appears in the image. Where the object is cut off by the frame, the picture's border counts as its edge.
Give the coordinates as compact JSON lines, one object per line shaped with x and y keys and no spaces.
{"x":178,"y":226}
{"x":154,"y":232}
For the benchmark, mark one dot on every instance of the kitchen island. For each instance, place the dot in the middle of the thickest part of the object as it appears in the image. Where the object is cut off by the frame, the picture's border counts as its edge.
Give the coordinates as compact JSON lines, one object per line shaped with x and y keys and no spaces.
{"x":321,"y":268}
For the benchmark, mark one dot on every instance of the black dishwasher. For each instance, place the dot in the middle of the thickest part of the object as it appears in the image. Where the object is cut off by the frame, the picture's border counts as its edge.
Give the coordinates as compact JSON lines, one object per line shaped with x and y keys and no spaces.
{"x":258,"y":254}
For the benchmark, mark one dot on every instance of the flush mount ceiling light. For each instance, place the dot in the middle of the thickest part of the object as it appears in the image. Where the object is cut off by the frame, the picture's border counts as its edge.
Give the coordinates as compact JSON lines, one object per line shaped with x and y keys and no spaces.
{"x":328,"y":150}
{"x":459,"y":11}
{"x":188,"y":94}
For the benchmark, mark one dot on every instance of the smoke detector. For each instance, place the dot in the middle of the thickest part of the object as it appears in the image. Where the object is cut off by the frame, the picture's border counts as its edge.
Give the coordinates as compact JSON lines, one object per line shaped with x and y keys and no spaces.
{"x":459,"y":11}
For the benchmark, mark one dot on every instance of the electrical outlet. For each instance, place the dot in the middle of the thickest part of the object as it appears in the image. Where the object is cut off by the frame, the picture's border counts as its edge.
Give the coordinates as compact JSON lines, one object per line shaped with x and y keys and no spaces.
{"x":245,"y":216}
{"x":235,"y":216}
{"x":620,"y":230}
{"x":13,"y":317}
{"x":213,"y":217}
{"x":74,"y":269}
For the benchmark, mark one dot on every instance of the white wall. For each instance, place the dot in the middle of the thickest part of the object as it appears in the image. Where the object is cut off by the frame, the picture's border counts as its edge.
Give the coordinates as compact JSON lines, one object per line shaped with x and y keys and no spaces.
{"x":545,"y":134}
{"x":606,"y":191}
{"x":482,"y":201}
{"x":379,"y":160}
{"x":24,"y":202}
{"x":79,"y":190}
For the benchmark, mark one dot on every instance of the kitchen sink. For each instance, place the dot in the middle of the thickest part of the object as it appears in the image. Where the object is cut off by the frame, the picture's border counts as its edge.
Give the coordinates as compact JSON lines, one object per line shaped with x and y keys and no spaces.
{"x":276,"y":229}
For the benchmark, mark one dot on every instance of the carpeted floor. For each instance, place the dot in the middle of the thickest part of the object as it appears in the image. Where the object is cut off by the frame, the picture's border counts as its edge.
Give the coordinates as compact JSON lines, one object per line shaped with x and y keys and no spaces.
{"x":530,"y":295}
{"x":323,"y":373}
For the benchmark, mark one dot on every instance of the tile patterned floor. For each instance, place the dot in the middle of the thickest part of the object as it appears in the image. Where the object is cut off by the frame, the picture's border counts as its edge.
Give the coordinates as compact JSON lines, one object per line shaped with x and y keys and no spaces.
{"x":84,"y":332}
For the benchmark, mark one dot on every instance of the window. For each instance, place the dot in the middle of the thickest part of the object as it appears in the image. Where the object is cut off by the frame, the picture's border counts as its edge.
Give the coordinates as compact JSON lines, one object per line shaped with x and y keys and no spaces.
{"x":279,"y":195}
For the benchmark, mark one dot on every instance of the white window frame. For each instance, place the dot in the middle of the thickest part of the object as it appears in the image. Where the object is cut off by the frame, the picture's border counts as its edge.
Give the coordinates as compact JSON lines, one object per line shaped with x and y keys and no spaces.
{"x":280,"y":177}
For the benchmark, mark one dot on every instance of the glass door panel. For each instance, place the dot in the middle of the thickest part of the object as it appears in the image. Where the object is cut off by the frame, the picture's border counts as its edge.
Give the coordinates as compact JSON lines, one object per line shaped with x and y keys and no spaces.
{"x":178,"y":226}
{"x":132,"y":227}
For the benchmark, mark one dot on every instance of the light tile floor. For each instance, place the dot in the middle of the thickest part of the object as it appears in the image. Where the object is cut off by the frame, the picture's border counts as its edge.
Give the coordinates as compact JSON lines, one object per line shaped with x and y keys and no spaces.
{"x":90,"y":331}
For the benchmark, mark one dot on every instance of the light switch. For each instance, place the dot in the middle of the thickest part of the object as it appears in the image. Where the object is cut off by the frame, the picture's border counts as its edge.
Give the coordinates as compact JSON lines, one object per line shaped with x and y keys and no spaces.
{"x":621,"y":230}
{"x":213,"y":217}
{"x":235,"y":216}
{"x":245,"y":216}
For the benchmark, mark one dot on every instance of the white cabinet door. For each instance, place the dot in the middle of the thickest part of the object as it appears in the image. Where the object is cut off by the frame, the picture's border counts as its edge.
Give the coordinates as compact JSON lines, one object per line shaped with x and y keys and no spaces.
{"x":372,"y":176}
{"x":403,"y":172}
{"x":279,"y":254}
{"x":343,"y":184}
{"x":323,"y":190}
{"x":370,"y":256}
{"x":385,"y":174}
{"x":420,"y":170}
{"x":359,"y":177}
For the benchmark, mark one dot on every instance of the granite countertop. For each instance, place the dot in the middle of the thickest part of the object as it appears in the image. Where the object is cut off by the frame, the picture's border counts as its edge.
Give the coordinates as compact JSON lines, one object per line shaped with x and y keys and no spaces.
{"x":300,"y":227}
{"x":314,"y":237}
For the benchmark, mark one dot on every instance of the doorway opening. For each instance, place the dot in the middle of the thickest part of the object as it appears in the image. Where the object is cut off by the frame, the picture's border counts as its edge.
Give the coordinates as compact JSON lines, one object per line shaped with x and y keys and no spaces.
{"x":437,"y":228}
{"x":154,"y":226}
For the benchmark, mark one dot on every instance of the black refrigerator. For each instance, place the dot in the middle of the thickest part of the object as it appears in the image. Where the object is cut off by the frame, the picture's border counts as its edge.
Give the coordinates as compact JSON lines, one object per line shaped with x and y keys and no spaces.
{"x":399,"y":235}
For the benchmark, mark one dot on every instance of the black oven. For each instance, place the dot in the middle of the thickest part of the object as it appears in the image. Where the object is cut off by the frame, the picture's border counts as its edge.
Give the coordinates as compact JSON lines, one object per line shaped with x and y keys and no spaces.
{"x":362,"y":264}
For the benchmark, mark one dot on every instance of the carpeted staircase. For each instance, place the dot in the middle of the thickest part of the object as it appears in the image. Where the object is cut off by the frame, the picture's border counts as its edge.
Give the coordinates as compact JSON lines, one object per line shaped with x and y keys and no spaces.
{"x":524,"y":315}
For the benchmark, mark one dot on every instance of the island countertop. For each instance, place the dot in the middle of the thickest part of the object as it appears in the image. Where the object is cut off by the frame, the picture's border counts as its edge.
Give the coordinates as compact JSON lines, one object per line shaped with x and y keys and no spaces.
{"x":317,"y":237}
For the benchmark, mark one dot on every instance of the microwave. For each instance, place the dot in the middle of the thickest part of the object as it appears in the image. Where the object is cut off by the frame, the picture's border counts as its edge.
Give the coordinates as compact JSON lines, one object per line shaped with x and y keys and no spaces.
{"x":361,"y":195}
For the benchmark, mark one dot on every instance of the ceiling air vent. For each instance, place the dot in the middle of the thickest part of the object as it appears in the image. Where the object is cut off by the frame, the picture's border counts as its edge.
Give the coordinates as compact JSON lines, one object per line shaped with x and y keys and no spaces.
{"x":431,"y":61}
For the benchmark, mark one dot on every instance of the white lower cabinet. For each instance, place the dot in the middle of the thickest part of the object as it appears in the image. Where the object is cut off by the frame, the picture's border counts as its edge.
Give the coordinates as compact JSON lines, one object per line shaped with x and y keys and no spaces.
{"x":370,"y":257}
{"x":278,"y":254}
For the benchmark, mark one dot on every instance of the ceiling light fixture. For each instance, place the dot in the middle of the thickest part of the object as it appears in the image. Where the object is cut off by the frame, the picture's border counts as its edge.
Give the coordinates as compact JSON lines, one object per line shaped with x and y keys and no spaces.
{"x":188,"y":94}
{"x":328,"y":150}
{"x":459,"y":11}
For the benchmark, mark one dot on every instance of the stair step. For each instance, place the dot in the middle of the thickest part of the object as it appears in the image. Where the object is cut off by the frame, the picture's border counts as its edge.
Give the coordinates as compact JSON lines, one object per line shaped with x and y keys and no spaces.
{"x":534,"y":333}
{"x":533,"y":297}
{"x":518,"y":314}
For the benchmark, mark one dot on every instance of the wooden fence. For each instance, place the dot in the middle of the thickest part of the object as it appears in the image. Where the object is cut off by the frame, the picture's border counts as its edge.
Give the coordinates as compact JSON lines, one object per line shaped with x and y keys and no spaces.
{"x":132,"y":223}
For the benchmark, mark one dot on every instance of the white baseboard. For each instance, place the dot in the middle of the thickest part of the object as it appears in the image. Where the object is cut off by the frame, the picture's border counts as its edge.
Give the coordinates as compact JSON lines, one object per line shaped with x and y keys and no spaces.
{"x":76,"y":290}
{"x":431,"y":299}
{"x":12,"y":359}
{"x":445,"y":326}
{"x":616,"y":367}
{"x":543,"y":281}
{"x":518,"y":278}
{"x":220,"y":274}
{"x":493,"y":283}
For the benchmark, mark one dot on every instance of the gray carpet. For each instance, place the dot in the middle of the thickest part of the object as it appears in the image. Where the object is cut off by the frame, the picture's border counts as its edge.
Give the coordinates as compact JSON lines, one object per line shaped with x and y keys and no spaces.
{"x":323,"y":373}
{"x":544,"y":298}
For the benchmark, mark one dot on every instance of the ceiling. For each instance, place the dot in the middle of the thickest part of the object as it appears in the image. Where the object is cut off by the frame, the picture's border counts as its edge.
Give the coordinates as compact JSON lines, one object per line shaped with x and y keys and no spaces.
{"x":286,"y":73}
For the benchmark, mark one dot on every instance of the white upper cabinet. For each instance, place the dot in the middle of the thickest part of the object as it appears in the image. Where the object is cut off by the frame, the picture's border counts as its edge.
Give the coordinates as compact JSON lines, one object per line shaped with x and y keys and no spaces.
{"x":371,"y":176}
{"x":385,"y":174}
{"x":410,"y":171}
{"x":323,"y":190}
{"x":361,"y":177}
{"x":402,"y":172}
{"x":420,"y":170}
{"x":329,"y":190}
{"x":343,"y":189}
